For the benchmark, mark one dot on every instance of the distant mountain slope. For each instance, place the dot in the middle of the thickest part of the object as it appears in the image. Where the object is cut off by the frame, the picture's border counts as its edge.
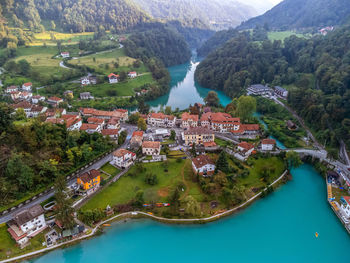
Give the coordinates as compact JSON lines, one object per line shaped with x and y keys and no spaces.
{"x":217,"y":14}
{"x":73,"y":15}
{"x":291,"y":14}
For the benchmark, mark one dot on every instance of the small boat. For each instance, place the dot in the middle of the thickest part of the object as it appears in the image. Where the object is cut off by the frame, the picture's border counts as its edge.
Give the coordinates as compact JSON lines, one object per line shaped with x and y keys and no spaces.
{"x":150,"y":213}
{"x":316,"y":234}
{"x":106,"y":224}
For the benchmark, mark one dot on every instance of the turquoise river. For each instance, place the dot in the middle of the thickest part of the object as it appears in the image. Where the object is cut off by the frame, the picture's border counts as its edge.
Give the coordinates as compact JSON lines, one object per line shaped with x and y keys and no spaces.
{"x":278,"y":228}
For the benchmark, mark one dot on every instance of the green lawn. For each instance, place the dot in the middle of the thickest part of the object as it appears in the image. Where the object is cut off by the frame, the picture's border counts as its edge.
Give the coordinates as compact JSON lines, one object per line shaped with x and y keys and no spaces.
{"x":274,"y":165}
{"x":126,"y":187}
{"x":125,"y":88}
{"x":110,"y":169}
{"x":9,"y":248}
{"x":103,"y":63}
{"x":221,"y":142}
{"x":281,"y":35}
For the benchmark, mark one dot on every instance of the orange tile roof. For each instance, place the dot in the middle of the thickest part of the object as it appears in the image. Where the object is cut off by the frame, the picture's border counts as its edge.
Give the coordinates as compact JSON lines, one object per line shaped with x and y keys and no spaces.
{"x":113,"y":75}
{"x":89,"y":176}
{"x":246,"y":146}
{"x":209,"y":144}
{"x":122,"y":152}
{"x":268,"y":141}
{"x":160,"y":115}
{"x":251,"y":127}
{"x":110,"y":132}
{"x":202,"y":160}
{"x":186,"y":116}
{"x":88,"y":126}
{"x":150,"y":144}
{"x":137,"y":134}
{"x":57,"y":99}
{"x":95,"y":120}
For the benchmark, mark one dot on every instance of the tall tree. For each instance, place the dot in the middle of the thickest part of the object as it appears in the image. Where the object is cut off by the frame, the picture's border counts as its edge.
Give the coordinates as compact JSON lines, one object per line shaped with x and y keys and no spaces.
{"x":293,"y":159}
{"x":141,"y":124}
{"x":64,"y":209}
{"x":222,"y":163}
{"x":212,"y":99}
{"x":246,"y":106}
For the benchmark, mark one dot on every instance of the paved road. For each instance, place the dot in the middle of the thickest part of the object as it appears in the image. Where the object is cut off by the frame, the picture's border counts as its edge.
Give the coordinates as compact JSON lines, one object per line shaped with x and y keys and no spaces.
{"x":301,"y":121}
{"x":96,"y":165}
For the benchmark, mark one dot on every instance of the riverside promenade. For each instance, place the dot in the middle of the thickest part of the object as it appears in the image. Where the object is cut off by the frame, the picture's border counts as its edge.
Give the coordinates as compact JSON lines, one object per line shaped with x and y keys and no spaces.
{"x":139,"y":214}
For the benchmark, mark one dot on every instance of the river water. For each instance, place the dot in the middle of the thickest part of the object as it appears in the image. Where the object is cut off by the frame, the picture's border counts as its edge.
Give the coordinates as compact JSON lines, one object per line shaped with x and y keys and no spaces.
{"x":184,"y":90}
{"x":279,"y":228}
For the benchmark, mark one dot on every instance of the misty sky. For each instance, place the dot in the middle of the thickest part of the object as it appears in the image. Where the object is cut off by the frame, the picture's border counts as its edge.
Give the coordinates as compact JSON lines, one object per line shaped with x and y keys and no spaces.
{"x":261,"y":5}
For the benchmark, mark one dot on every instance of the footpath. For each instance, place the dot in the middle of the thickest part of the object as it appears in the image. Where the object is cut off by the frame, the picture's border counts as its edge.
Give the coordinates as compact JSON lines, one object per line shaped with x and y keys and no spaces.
{"x":137,"y":214}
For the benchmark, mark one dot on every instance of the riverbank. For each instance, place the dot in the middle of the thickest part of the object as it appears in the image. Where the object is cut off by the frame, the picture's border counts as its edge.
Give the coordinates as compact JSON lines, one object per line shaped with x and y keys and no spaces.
{"x":140,"y":214}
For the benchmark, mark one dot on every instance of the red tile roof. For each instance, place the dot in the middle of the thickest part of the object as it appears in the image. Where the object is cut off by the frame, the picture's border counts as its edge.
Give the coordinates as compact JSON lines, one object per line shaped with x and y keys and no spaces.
{"x":137,"y":134}
{"x":110,"y":132}
{"x":150,"y":144}
{"x":95,"y":120}
{"x":202,"y":160}
{"x":209,"y":144}
{"x":28,"y":84}
{"x":160,"y":115}
{"x":186,"y":116}
{"x":56,"y":99}
{"x":251,"y":127}
{"x":246,"y":146}
{"x":122,"y":152}
{"x":89,"y":176}
{"x":268,"y":141}
{"x":113,"y":75}
{"x":88,"y":126}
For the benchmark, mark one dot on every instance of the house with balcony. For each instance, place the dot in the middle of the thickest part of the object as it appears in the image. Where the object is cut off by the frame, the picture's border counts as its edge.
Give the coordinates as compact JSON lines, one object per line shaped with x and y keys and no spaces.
{"x":123,"y":158}
{"x":89,"y":182}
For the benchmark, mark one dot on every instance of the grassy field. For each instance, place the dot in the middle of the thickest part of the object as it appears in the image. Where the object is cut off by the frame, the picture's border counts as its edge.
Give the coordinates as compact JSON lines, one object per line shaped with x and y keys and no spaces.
{"x":103,"y":63}
{"x":41,"y":59}
{"x":9,"y":248}
{"x":281,"y":35}
{"x":110,"y":169}
{"x":125,"y":188}
{"x":118,"y":89}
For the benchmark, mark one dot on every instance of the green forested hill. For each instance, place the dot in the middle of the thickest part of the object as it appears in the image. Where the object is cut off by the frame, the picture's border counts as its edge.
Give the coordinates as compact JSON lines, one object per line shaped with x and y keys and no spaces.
{"x":316,"y":70}
{"x":214,"y":14}
{"x":294,"y":14}
{"x":163,"y":43}
{"x":74,"y":15}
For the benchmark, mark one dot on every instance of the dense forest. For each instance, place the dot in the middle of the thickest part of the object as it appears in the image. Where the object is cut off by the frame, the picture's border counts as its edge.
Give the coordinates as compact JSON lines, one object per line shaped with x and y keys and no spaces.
{"x":163,"y":43}
{"x":33,"y":155}
{"x":218,"y":39}
{"x":74,"y":15}
{"x":294,"y":14}
{"x":213,"y":14}
{"x":316,"y":69}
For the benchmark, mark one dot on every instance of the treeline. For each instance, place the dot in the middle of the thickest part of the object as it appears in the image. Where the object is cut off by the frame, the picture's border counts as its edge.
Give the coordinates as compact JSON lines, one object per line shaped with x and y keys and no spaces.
{"x":163,"y":43}
{"x":34,"y":154}
{"x":318,"y":68}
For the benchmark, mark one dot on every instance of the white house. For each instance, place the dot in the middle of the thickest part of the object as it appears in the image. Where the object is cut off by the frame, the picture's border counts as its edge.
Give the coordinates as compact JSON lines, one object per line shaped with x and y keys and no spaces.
{"x":189,"y":120}
{"x":345,"y":205}
{"x":151,"y":148}
{"x":65,"y":54}
{"x":111,"y":133}
{"x":86,"y":96}
{"x":113,"y":78}
{"x":55,"y":101}
{"x":37,"y":98}
{"x":203,"y":165}
{"x":268,"y":144}
{"x":85,"y":81}
{"x":281,"y":92}
{"x":26,"y":224}
{"x":113,"y":123}
{"x":90,"y":128}
{"x":73,"y":123}
{"x":27,"y":86}
{"x":132,"y":74}
{"x":123,"y":158}
{"x":258,"y":89}
{"x":245,"y":148}
{"x":11,"y":89}
{"x":161,"y":120}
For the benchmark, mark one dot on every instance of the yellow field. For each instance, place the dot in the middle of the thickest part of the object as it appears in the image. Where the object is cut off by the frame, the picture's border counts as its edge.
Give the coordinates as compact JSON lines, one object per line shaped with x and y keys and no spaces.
{"x":47,"y":35}
{"x":105,"y":58}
